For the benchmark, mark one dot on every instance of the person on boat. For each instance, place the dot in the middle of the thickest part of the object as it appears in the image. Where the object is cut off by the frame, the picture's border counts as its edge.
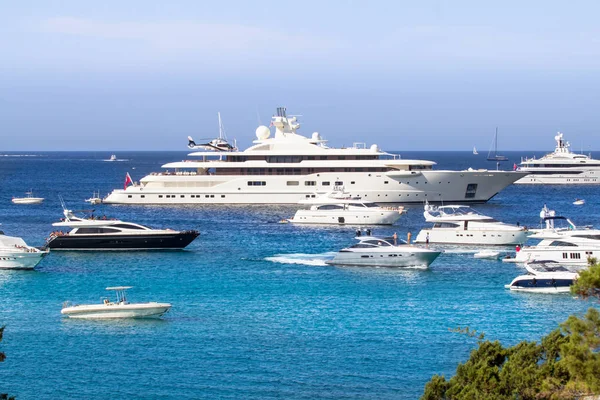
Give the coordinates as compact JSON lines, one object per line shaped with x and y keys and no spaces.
{"x":518,"y":248}
{"x":368,"y":232}
{"x":358,"y":233}
{"x":408,"y":236}
{"x":395,"y":236}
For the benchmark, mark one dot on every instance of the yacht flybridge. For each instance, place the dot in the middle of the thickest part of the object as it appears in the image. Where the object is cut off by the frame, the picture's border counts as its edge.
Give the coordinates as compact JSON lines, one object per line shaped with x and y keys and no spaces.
{"x":289,"y":167}
{"x":561,"y":167}
{"x":460,"y":224}
{"x":339,"y":208}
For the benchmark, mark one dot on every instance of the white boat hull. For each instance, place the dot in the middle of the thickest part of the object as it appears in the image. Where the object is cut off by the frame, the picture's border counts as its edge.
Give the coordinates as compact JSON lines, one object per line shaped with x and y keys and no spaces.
{"x":102,"y":311}
{"x":346,"y":217}
{"x":550,"y":290}
{"x":472,"y":237}
{"x":28,"y":200}
{"x":435,"y":186}
{"x":402,"y":257}
{"x":562,"y":255}
{"x":20,"y":260}
{"x":587,"y":177}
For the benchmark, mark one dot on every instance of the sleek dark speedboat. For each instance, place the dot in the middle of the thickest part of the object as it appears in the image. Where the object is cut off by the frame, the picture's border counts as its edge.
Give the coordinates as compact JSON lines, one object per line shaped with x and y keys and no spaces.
{"x":113,"y":234}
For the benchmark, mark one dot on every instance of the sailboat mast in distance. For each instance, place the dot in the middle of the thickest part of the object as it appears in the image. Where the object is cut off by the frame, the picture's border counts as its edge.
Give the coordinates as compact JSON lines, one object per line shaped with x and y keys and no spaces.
{"x":495,"y":156}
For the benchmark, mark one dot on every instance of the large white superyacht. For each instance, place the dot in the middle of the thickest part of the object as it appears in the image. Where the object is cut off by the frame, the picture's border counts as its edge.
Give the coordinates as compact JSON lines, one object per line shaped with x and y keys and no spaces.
{"x":561,"y":167}
{"x":289,"y":167}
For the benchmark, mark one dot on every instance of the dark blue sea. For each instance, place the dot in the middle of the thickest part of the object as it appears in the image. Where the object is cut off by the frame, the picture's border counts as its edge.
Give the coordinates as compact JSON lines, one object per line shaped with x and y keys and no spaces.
{"x":256,"y":313}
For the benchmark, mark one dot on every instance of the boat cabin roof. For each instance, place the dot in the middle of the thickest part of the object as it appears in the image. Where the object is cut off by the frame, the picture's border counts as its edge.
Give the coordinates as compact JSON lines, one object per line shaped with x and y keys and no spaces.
{"x":119,"y":287}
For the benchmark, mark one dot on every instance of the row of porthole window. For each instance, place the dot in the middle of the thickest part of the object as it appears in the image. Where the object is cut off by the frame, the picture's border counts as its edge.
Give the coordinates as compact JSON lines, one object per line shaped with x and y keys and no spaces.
{"x":169,"y":196}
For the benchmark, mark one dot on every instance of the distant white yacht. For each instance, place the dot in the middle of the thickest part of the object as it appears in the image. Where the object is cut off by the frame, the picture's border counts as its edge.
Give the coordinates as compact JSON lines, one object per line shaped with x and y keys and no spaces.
{"x":289,"y":167}
{"x":28,"y":199}
{"x":562,"y":167}
{"x":475,"y":150}
{"x":340,"y":209}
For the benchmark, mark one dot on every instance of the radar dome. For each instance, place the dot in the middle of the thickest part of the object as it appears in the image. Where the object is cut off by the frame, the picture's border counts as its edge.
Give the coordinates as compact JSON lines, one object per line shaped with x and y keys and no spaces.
{"x":263,"y":132}
{"x":375,"y":148}
{"x":316,"y":136}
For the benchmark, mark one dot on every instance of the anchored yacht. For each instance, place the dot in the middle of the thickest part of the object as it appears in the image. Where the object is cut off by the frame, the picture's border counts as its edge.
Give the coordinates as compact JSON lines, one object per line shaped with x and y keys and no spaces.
{"x":113,"y":234}
{"x":460,"y":224}
{"x":544,"y":277}
{"x":289,"y":167}
{"x":562,"y":167}
{"x":16,"y":254}
{"x":339,"y":208}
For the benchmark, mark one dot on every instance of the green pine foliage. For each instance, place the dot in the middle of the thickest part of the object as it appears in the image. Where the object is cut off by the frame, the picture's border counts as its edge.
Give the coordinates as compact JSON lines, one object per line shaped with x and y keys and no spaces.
{"x":565,"y":365}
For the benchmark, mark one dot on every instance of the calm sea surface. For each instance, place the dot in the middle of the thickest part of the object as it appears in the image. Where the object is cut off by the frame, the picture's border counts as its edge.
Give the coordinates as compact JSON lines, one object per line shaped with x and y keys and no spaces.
{"x":256,"y":313}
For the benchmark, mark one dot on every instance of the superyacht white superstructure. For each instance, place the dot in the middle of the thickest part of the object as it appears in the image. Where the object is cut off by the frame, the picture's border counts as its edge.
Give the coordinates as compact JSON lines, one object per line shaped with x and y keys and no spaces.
{"x":562,"y":167}
{"x":289,"y":167}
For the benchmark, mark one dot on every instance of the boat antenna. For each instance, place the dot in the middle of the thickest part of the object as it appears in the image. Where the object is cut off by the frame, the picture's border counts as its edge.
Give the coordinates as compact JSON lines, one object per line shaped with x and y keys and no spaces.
{"x":62,"y":202}
{"x":222,"y":134}
{"x":258,"y":116}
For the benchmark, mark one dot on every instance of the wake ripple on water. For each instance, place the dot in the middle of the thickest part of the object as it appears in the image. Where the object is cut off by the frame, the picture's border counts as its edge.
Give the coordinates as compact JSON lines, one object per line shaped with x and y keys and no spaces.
{"x":303,"y":259}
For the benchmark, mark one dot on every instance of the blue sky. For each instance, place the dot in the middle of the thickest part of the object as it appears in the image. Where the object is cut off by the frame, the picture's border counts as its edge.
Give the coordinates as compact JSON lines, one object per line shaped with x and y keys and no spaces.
{"x":406,"y":75}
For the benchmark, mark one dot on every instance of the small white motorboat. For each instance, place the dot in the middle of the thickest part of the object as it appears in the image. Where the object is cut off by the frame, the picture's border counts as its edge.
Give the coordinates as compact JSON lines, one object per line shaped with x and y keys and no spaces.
{"x":579,"y":202}
{"x":120,"y":308}
{"x":113,"y":157}
{"x":487,"y":254}
{"x":16,"y":254}
{"x":544,"y":277}
{"x":95,"y":199}
{"x":28,"y":199}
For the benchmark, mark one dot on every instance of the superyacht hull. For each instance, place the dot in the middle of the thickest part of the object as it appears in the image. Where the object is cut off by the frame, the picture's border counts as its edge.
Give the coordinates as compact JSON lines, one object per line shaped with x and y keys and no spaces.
{"x":588,"y":177}
{"x":473,"y":186}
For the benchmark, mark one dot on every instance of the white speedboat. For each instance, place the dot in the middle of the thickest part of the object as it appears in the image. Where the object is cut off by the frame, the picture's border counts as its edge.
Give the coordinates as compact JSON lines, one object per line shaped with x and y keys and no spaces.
{"x":101,"y":233}
{"x":460,"y":224}
{"x":562,"y":167}
{"x":373,"y":251}
{"x":544,"y":277}
{"x":28,"y":199}
{"x":339,"y":208}
{"x":95,"y":199}
{"x":288,"y":167}
{"x":579,"y":202}
{"x":16,"y":254}
{"x":113,"y":157}
{"x":487,"y":254}
{"x":120,"y":308}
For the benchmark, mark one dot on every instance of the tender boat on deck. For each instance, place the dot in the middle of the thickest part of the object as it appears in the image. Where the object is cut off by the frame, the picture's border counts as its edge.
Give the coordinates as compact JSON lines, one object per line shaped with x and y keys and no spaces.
{"x":374,"y":251}
{"x":339,"y":208}
{"x":16,"y":254}
{"x":120,"y":308}
{"x":544,"y":277}
{"x":459,"y":224}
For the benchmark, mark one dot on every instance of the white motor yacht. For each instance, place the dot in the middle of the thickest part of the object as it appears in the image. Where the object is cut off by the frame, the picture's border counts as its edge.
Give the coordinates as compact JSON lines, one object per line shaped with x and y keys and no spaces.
{"x":95,"y":199}
{"x":120,"y":308}
{"x":460,"y":224}
{"x":544,"y":277}
{"x":562,"y":167}
{"x":101,"y":233}
{"x":569,"y":248}
{"x":287,"y":167}
{"x":339,"y":208}
{"x":16,"y":254}
{"x":374,"y":251}
{"x":28,"y":199}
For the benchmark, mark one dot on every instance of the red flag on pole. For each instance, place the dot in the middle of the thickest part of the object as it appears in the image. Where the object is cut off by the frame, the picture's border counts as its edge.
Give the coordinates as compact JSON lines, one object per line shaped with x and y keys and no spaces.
{"x":128,"y":181}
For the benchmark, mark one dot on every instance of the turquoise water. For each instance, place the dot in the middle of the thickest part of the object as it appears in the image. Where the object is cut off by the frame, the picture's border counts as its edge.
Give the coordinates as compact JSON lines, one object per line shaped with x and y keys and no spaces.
{"x":256,"y":313}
